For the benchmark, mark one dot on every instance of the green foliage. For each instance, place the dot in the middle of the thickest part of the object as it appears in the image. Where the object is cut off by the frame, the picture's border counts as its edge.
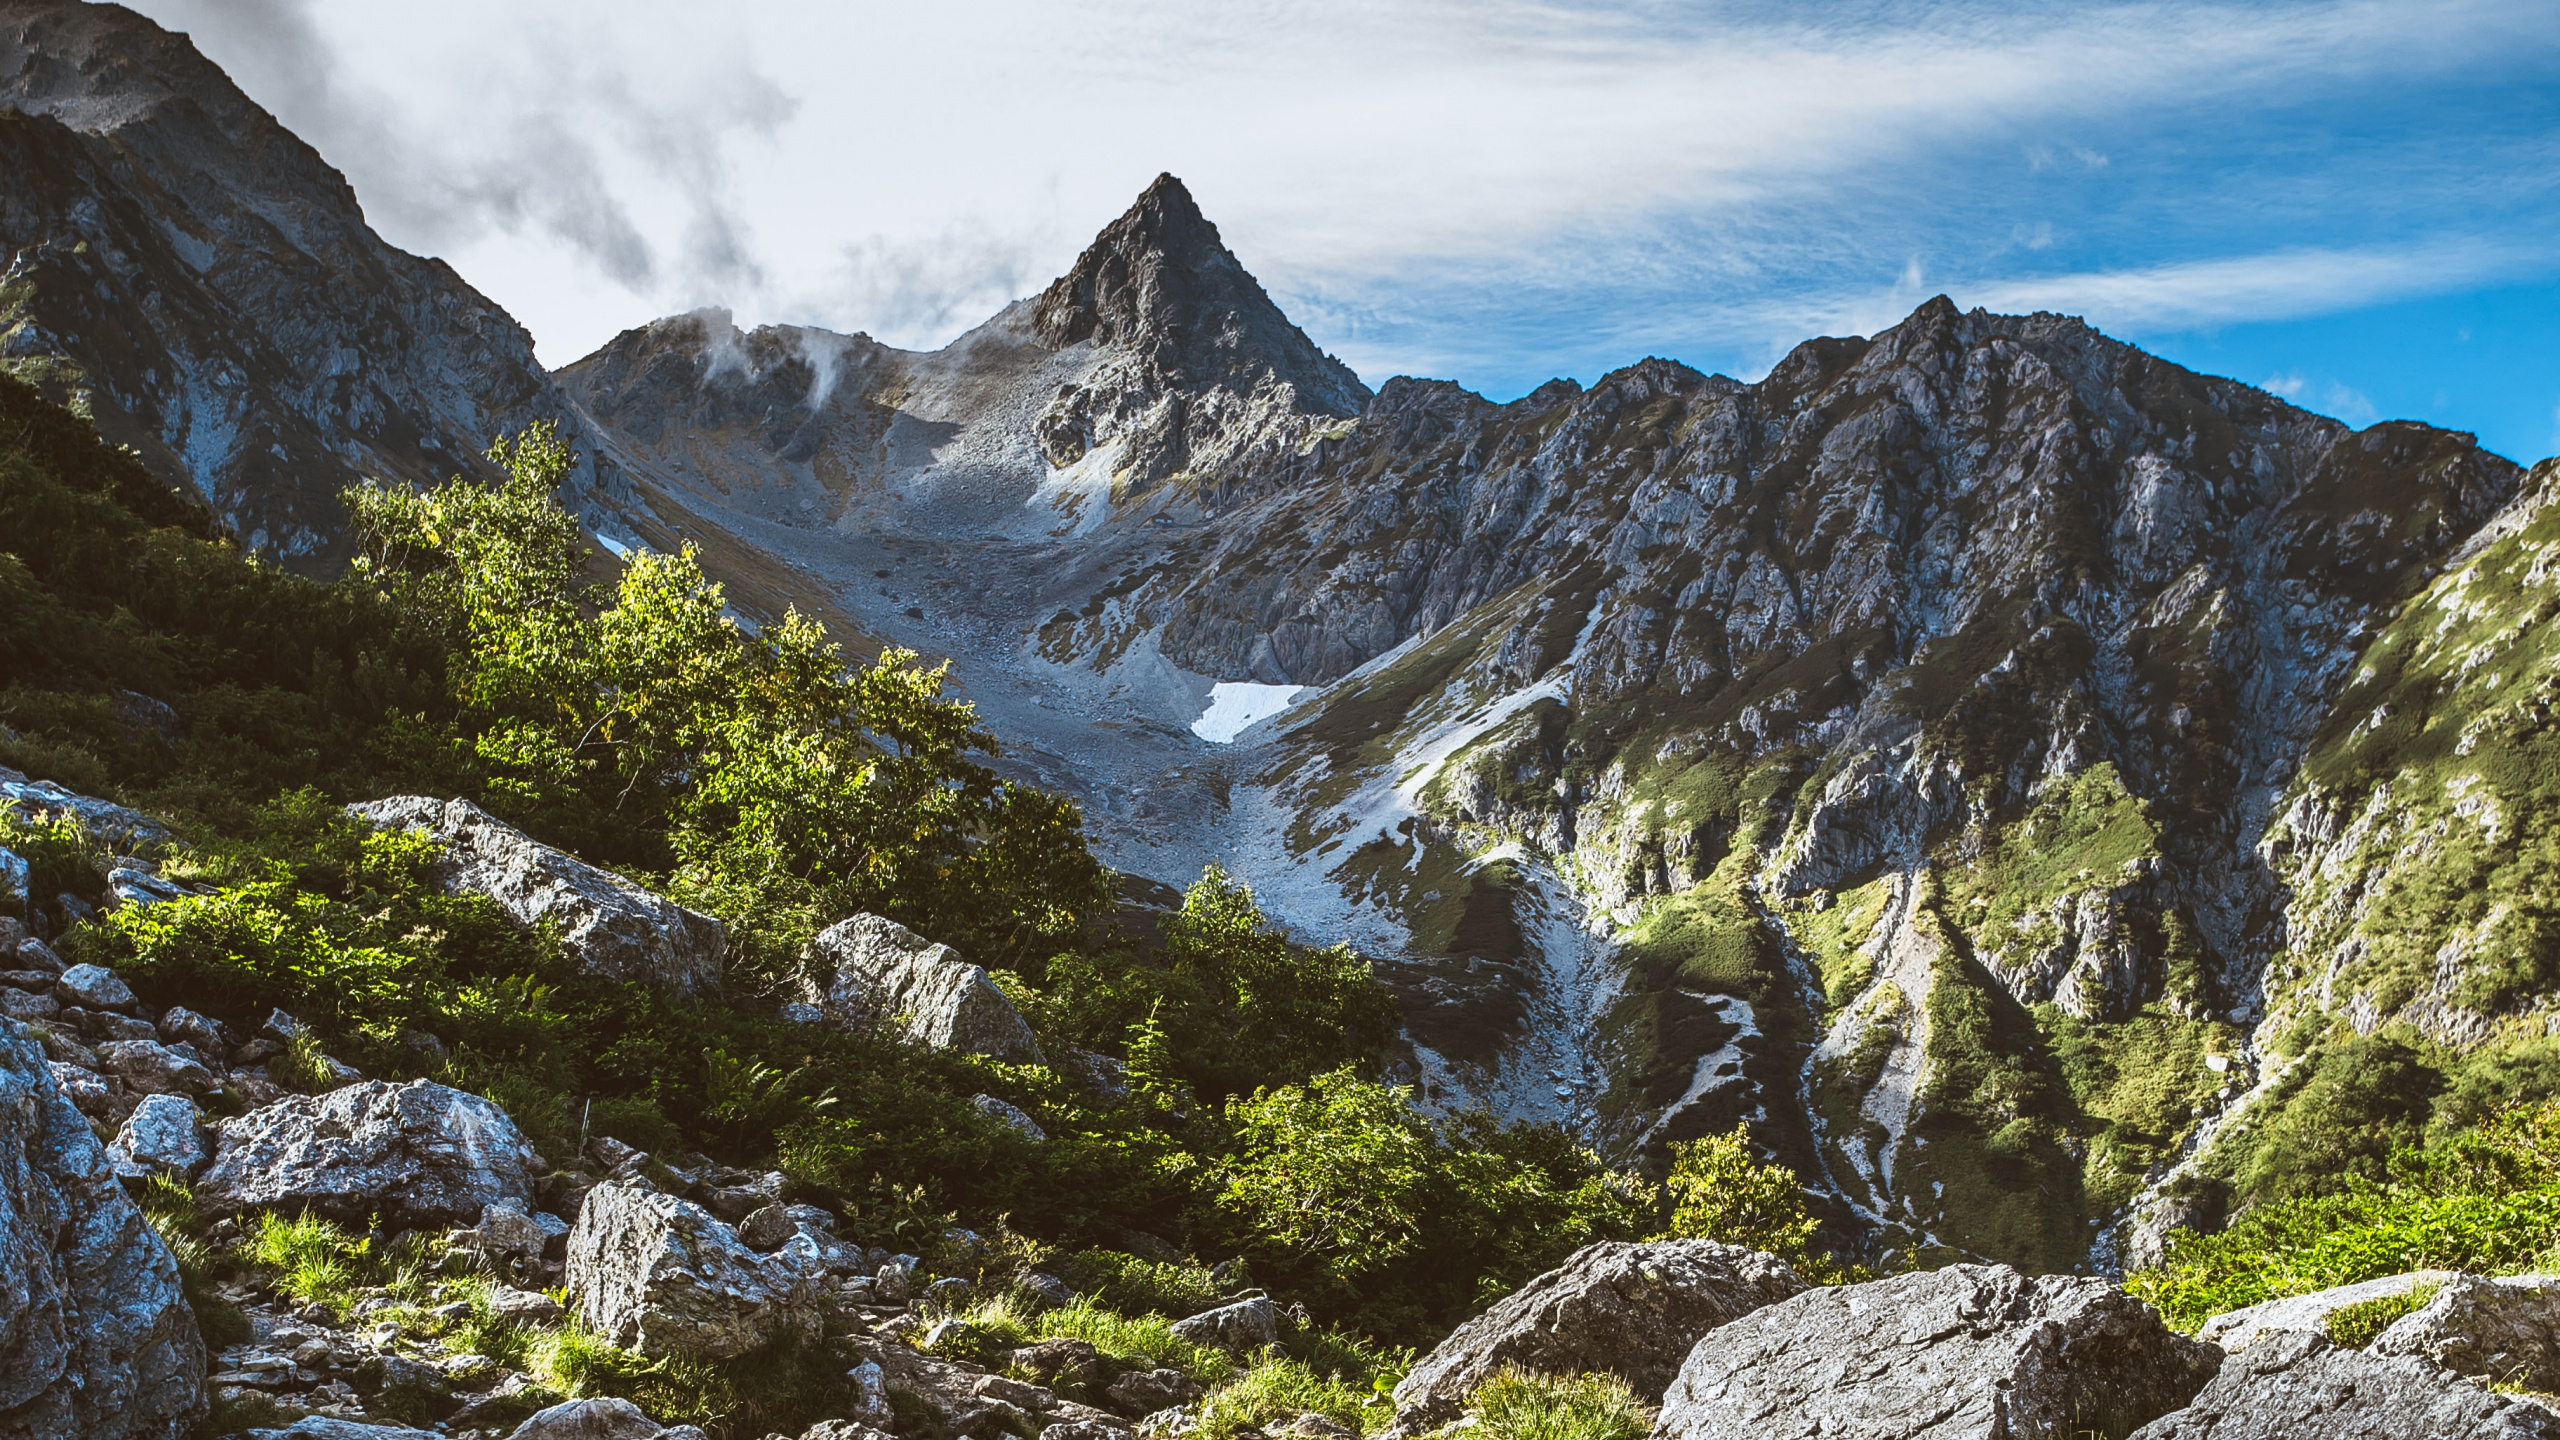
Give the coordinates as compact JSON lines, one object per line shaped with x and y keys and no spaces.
{"x":643,"y":722}
{"x":170,"y":1208}
{"x":2352,"y":1106}
{"x":2485,"y":1201}
{"x":1137,"y":1286}
{"x":2138,"y":1084}
{"x":1516,"y":1405}
{"x":1404,"y":1225}
{"x":1723,"y":1192}
{"x":1274,"y":1389}
{"x":310,"y":1259}
{"x":2079,"y":834}
{"x":2358,"y":1325}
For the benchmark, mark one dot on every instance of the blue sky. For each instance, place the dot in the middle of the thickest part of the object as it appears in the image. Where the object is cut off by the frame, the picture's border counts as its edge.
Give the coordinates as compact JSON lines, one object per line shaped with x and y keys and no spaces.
{"x":2351,"y":203}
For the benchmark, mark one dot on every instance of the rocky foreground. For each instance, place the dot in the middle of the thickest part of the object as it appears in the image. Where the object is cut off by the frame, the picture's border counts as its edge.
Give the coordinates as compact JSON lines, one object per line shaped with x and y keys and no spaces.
{"x":676,"y":1259}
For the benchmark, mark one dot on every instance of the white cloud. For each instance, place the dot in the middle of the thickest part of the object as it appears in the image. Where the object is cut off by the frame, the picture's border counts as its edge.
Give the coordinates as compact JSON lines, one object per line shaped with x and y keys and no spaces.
{"x":902,"y":168}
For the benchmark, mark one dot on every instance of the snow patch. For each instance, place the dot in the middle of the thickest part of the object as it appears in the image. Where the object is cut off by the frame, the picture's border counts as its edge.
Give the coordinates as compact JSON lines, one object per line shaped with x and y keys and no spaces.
{"x":1237,"y":705}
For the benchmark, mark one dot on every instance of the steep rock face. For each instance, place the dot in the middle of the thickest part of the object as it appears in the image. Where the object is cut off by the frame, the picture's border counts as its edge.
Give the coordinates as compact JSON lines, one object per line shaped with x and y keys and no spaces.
{"x":1633,"y":1311}
{"x":2300,"y":1387}
{"x":1970,"y":1351}
{"x":1200,"y":363}
{"x":209,"y":282}
{"x":613,"y":927}
{"x":98,"y":1340}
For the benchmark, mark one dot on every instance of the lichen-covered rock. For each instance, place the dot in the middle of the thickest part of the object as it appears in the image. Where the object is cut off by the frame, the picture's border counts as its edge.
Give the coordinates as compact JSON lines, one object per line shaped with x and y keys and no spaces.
{"x":1971,"y":1352}
{"x":2309,"y":1314}
{"x":419,"y":1155}
{"x":1243,"y":1327}
{"x":613,"y":927}
{"x":42,"y":799}
{"x":2294,"y":1385}
{"x":1011,"y":1116}
{"x":95,"y":1339}
{"x":93,"y":986}
{"x":329,"y":1427}
{"x":148,"y":1067}
{"x":1144,"y":1392}
{"x":163,"y":1136}
{"x":2505,"y":1330}
{"x":1633,"y":1311}
{"x":883,"y":973}
{"x":603,"y":1418}
{"x":662,"y":1276}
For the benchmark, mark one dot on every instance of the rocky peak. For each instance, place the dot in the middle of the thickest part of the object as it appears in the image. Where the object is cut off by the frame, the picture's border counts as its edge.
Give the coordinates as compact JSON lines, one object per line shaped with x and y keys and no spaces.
{"x":1160,"y":281}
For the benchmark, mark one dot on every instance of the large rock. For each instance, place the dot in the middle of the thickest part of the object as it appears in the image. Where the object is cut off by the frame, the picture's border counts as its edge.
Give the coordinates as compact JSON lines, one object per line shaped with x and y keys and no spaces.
{"x":603,"y":1418}
{"x":1631,"y":1310}
{"x":44,"y":800}
{"x":329,"y":1427}
{"x":613,"y":927}
{"x":1243,"y":1327}
{"x":95,"y":1339}
{"x":2309,"y":1314}
{"x":662,"y":1276}
{"x":1971,"y":1352}
{"x":420,"y":1155}
{"x":163,"y":1136}
{"x":2294,"y":1385}
{"x":2505,"y":1331}
{"x":884,"y":973}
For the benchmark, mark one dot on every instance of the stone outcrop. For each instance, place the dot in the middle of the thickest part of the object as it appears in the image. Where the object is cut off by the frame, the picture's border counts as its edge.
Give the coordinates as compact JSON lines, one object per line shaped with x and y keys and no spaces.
{"x":2292,"y":1385}
{"x":1633,"y":1311}
{"x":663,"y":1276}
{"x":614,"y":928}
{"x":603,"y":1418}
{"x":880,"y":973}
{"x":419,"y":1155}
{"x":163,"y":1136}
{"x":2502,"y":1331}
{"x":1971,"y":1352}
{"x":2309,"y":1314}
{"x":95,"y":1338}
{"x":1241,"y":1328}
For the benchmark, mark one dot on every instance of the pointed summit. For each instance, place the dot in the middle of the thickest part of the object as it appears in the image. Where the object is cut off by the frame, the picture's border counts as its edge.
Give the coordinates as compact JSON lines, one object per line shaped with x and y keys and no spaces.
{"x":1160,"y":282}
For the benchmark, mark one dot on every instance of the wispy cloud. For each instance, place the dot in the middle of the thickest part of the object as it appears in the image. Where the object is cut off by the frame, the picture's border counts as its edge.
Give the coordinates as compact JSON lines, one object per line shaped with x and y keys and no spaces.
{"x":1493,"y":187}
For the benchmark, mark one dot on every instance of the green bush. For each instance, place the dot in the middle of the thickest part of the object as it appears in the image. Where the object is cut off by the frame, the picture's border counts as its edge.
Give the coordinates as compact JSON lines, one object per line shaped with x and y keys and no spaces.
{"x":2486,"y":1201}
{"x":1724,"y":1193}
{"x":1516,"y":1405}
{"x":2358,"y":1325}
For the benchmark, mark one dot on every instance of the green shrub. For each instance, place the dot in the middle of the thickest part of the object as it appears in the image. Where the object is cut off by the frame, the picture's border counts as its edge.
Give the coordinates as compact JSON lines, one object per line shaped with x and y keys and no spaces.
{"x":1516,"y":1405}
{"x":2358,"y":1325}
{"x":1724,"y":1193}
{"x":1275,"y":1389}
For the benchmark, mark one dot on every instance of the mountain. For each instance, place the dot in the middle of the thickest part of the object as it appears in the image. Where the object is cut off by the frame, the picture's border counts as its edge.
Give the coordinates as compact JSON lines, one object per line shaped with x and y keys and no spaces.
{"x":1997,"y":763}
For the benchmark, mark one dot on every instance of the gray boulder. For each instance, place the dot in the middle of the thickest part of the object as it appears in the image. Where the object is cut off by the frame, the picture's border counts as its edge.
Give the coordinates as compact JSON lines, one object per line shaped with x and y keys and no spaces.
{"x":95,"y":987}
{"x":2293,"y":1385}
{"x":27,"y":1006}
{"x":613,"y":927}
{"x":327,"y":1427}
{"x":182,"y":1026}
{"x":1243,"y":1327}
{"x":421,"y":1155}
{"x":2505,"y":1331}
{"x":148,"y":1067}
{"x":1010,"y":1116}
{"x":14,"y":875}
{"x":122,"y":828}
{"x":1971,"y":1352}
{"x":95,"y":1338}
{"x":660,"y":1275}
{"x":1633,"y":1311}
{"x":598,"y":1419}
{"x":884,"y":974}
{"x":2308,"y":1314}
{"x":163,"y":1136}
{"x":1144,"y":1392}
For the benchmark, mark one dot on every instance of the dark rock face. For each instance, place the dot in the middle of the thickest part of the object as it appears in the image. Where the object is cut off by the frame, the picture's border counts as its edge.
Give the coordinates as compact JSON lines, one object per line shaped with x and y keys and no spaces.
{"x":1633,"y":1311}
{"x":2297,"y":1386}
{"x":614,"y":928}
{"x":1194,"y":333}
{"x":421,"y":1155}
{"x":98,"y":1341}
{"x":211,"y":283}
{"x":1973,"y":1351}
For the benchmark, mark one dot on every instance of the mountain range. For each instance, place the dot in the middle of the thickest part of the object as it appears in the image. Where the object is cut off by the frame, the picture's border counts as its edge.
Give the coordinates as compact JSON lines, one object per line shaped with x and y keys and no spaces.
{"x":1993,"y":761}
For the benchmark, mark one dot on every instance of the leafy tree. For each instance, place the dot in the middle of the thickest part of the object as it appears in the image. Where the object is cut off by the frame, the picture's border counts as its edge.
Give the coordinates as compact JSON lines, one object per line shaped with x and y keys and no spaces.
{"x":643,"y":721}
{"x":1723,"y":1192}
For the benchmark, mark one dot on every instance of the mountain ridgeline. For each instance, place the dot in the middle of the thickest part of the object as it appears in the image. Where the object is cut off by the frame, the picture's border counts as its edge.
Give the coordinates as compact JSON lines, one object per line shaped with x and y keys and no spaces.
{"x":2025,"y":781}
